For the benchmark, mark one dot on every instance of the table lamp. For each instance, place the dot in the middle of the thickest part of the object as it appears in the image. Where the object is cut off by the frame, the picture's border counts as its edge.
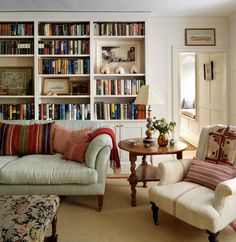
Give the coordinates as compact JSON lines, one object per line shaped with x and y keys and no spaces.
{"x":149,"y":96}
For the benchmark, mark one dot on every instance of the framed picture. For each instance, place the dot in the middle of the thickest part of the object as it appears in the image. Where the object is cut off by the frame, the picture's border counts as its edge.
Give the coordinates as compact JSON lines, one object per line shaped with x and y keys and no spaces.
{"x":200,"y":37}
{"x":79,"y":87}
{"x":58,"y":86}
{"x":208,"y":71}
{"x":16,"y":80}
{"x":118,"y":54}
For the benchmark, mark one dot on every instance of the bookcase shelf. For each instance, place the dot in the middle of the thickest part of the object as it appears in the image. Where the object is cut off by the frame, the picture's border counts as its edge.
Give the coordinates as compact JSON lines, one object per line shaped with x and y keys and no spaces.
{"x":74,"y":52}
{"x":62,"y":55}
{"x":16,"y":97}
{"x":65,"y":96}
{"x":63,"y":37}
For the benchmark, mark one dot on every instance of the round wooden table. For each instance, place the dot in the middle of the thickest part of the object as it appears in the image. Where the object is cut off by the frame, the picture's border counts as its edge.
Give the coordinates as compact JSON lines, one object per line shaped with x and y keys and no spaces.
{"x":138,"y":149}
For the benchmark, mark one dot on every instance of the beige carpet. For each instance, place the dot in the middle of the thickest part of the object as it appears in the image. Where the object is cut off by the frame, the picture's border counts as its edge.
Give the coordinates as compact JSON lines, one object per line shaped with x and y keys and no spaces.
{"x":78,"y":220}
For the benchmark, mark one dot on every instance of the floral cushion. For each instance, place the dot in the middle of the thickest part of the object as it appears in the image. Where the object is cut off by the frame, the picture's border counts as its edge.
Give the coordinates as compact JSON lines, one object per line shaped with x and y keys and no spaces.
{"x":222,"y":145}
{"x":25,"y":218}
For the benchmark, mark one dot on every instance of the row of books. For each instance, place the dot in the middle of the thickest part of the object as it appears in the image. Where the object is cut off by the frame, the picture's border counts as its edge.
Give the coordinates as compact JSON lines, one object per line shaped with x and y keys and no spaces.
{"x":16,"y":47}
{"x":63,"y":47}
{"x":16,"y":111}
{"x":64,"y":111}
{"x":63,"y":29}
{"x":16,"y":29}
{"x":118,"y":29}
{"x":119,"y":111}
{"x":118,"y":87}
{"x":64,"y":66}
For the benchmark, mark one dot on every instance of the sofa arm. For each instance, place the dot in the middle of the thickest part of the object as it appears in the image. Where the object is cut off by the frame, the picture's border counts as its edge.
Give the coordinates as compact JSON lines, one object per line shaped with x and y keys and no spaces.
{"x":173,"y":171}
{"x":95,"y":146}
{"x":225,"y":190}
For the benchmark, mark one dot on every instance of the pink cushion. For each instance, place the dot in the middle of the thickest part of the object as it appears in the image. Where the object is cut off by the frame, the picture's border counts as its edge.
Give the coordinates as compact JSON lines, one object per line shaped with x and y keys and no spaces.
{"x":75,"y":152}
{"x":62,"y":136}
{"x":209,"y":174}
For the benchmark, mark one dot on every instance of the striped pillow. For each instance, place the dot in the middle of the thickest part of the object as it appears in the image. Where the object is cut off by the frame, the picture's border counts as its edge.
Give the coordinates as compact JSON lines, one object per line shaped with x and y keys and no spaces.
{"x":209,"y":174}
{"x":75,"y":152}
{"x":18,"y":139}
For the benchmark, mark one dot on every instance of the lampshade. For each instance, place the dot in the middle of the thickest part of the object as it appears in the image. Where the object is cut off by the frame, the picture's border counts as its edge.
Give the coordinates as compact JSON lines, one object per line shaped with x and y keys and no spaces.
{"x":149,"y":96}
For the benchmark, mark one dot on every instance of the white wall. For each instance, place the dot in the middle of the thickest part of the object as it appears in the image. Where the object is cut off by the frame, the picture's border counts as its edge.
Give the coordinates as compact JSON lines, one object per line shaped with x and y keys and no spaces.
{"x":232,"y":83}
{"x":167,"y":33}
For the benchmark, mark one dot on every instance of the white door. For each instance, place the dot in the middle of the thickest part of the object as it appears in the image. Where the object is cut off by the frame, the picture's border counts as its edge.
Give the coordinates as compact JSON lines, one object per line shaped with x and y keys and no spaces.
{"x":212,"y":108}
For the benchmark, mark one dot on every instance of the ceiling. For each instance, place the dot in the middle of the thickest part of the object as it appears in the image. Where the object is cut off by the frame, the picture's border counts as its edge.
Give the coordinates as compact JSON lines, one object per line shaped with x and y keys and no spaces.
{"x":161,"y":8}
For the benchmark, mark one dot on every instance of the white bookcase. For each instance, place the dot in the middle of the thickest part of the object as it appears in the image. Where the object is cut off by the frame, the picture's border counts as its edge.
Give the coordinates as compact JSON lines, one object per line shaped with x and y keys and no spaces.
{"x":55,"y":51}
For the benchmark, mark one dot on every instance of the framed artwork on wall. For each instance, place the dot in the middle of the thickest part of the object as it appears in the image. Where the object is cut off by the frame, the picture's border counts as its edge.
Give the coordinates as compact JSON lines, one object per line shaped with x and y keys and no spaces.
{"x":208,"y":71}
{"x":200,"y":37}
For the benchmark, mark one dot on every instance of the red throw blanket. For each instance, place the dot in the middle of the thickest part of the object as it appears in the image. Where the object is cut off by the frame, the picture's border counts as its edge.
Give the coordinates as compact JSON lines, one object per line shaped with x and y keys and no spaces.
{"x":114,"y":152}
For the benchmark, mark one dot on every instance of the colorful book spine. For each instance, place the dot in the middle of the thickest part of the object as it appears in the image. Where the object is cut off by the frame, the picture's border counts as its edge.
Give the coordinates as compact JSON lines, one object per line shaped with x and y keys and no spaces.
{"x":119,"y":29}
{"x":119,"y":111}
{"x":17,"y":111}
{"x":64,"y":111}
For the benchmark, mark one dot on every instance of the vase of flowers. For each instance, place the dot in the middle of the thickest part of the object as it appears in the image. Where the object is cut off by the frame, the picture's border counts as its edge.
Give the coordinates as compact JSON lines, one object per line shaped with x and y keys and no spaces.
{"x":164,"y":129}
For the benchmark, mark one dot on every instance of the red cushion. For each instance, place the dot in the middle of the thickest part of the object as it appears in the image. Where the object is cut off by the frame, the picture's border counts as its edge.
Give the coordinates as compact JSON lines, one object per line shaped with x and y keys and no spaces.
{"x":209,"y":174}
{"x":18,"y":139}
{"x":75,"y":152}
{"x":62,"y":136}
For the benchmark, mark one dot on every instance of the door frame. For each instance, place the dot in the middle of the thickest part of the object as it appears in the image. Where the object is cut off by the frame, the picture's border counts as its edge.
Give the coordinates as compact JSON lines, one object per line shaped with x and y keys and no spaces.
{"x":176,"y":50}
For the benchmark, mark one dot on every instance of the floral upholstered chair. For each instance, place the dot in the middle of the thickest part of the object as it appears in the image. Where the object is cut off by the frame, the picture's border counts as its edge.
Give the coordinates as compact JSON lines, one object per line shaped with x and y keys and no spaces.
{"x":201,"y":191}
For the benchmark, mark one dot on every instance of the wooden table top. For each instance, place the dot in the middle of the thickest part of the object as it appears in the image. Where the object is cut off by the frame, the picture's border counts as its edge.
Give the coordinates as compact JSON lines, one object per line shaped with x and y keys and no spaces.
{"x":139,"y":148}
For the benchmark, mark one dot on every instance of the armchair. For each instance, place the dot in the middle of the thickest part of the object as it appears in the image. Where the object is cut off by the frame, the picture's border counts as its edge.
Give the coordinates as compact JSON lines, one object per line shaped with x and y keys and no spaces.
{"x":195,"y":204}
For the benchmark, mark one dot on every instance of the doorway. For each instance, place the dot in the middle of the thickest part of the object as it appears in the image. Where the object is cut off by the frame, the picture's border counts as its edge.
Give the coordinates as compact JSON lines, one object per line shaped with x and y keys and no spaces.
{"x":199,"y":98}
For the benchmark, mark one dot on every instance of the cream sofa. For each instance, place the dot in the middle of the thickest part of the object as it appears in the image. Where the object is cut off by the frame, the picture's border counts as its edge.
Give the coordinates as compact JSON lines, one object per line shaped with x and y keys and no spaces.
{"x":50,"y":174}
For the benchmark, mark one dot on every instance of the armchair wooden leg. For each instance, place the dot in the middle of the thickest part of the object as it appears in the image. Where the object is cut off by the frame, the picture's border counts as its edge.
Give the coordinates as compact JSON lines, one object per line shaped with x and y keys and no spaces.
{"x":213,"y":237}
{"x":155,"y":210}
{"x":100,"y":202}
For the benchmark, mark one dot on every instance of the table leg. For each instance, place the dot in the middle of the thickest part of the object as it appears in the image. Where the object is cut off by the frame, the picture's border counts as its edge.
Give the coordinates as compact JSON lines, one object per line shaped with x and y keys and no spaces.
{"x":133,"y":178}
{"x":179,"y":155}
{"x":144,"y":168}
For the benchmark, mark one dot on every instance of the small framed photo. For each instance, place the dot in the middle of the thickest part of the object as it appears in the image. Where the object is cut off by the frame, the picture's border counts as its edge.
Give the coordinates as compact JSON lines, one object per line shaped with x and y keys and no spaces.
{"x":200,"y":37}
{"x":208,"y":71}
{"x":79,"y":87}
{"x":58,"y":86}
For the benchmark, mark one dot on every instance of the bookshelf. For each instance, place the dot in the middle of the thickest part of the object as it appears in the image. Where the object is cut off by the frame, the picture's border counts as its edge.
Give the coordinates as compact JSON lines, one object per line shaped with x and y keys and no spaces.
{"x":119,"y":45}
{"x":63,"y":55}
{"x":16,"y":70}
{"x":74,"y":51}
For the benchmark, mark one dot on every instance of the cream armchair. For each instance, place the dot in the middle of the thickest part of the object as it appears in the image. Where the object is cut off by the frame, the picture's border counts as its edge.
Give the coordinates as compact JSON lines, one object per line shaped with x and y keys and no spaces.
{"x":195,"y":204}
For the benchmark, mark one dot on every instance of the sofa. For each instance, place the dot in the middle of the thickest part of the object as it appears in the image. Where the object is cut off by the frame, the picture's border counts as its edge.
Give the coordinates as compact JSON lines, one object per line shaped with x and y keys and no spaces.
{"x":50,"y":174}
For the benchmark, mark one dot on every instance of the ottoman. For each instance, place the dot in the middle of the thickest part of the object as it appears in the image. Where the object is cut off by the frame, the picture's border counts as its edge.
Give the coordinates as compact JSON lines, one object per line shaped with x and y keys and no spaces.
{"x":25,"y":217}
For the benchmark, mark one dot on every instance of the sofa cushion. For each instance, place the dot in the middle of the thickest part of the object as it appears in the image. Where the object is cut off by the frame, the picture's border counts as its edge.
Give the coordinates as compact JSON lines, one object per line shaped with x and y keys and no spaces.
{"x":208,"y":174}
{"x":46,"y":169}
{"x":222,"y":145}
{"x":4,"y":160}
{"x":18,"y":139}
{"x":75,"y":152}
{"x":62,"y":136}
{"x":189,"y":202}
